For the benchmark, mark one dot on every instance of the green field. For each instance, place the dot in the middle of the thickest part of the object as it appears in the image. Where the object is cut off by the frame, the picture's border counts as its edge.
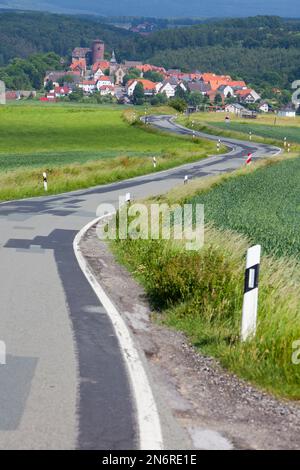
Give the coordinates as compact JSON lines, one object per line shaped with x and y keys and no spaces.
{"x":277,"y":132}
{"x":268,"y":128}
{"x":263,"y":205}
{"x":37,"y":136}
{"x":82,"y":146}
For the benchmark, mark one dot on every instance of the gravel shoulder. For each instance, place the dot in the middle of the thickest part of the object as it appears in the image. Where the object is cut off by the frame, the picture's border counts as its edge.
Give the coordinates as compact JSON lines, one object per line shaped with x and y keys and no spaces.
{"x":201,"y":406}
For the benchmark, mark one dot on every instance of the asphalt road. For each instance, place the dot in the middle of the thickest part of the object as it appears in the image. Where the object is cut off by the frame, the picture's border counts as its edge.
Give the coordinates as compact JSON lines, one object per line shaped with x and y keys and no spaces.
{"x":65,"y":384}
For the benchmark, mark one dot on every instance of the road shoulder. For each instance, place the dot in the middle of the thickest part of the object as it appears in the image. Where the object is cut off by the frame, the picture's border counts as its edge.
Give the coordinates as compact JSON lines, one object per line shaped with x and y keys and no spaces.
{"x":201,"y":406}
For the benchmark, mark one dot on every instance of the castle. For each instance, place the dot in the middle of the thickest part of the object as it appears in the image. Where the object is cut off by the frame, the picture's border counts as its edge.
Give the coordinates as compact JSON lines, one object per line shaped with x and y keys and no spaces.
{"x":90,"y":55}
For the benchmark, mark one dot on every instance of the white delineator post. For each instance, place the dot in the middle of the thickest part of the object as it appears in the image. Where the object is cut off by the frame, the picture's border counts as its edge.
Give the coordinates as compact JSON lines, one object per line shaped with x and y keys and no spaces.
{"x":154,"y":162}
{"x":186,"y":179}
{"x":45,"y":180}
{"x":127,"y":198}
{"x":250,"y":303}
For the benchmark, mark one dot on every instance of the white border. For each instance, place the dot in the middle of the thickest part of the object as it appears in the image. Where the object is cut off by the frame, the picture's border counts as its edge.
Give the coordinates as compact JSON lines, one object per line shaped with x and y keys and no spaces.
{"x":150,"y":432}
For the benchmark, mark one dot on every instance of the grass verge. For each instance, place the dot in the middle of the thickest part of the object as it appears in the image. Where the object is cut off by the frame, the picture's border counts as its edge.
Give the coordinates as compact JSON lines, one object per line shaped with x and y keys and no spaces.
{"x":262,"y":129}
{"x":201,"y":292}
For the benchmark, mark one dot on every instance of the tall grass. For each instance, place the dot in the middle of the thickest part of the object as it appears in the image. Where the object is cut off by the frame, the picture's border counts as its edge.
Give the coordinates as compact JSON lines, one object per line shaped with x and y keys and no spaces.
{"x":27,"y":182}
{"x":201,"y":294}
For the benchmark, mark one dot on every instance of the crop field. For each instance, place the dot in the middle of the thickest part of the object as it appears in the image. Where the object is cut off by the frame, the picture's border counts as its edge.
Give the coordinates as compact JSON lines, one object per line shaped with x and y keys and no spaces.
{"x":263,"y":205}
{"x":37,"y":136}
{"x":81,"y":146}
{"x":269,"y":126}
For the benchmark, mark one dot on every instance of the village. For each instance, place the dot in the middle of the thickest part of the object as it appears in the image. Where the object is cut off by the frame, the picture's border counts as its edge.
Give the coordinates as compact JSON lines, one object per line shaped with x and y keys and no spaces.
{"x":91,"y":73}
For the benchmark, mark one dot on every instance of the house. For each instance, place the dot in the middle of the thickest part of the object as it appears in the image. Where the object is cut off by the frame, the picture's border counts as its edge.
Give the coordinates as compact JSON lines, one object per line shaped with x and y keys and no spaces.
{"x":62,"y":91}
{"x":99,"y":73}
{"x":51,"y":96}
{"x":149,"y":87}
{"x":55,"y":77}
{"x":104,"y":81}
{"x":226,"y":91}
{"x":167,"y":88}
{"x":79,"y":66}
{"x":236,"y":108}
{"x":88,"y":86}
{"x":151,"y":68}
{"x":80,"y":53}
{"x":264,"y":107}
{"x":12,"y":95}
{"x":102,"y":65}
{"x":237,"y":84}
{"x":199,"y":86}
{"x":105,"y":90}
{"x":287,"y":111}
{"x":248,"y":96}
{"x":132,"y":64}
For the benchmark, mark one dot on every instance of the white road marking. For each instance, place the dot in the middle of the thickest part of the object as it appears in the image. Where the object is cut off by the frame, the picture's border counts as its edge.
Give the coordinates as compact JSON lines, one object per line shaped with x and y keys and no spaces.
{"x":150,"y":433}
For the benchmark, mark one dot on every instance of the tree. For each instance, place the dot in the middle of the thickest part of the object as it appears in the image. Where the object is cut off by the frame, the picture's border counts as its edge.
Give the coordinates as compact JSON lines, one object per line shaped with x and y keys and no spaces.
{"x":131,"y":75}
{"x":218,"y":99}
{"x":178,"y":104}
{"x":181,"y":93}
{"x":49,"y":85}
{"x":138,"y":94}
{"x":76,"y":95}
{"x":66,"y":79}
{"x":159,"y":99}
{"x":153,"y":76}
{"x":195,"y":98}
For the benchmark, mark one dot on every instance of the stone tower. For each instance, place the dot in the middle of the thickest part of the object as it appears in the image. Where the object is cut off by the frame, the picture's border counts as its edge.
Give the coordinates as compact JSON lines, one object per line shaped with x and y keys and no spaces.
{"x":98,"y":49}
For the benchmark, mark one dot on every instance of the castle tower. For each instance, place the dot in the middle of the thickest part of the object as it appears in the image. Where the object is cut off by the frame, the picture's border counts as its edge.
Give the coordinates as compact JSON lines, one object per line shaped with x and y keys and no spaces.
{"x":98,"y":49}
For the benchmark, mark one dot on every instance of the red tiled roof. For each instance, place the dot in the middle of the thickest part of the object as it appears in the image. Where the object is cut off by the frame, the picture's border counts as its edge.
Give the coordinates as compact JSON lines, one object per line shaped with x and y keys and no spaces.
{"x":104,"y":78}
{"x":243,"y":92}
{"x":103,"y":65}
{"x":81,"y":63}
{"x":147,"y":84}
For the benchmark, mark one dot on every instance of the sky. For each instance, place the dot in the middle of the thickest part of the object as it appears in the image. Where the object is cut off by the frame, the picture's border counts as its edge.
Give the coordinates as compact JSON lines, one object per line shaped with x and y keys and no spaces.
{"x":164,"y":8}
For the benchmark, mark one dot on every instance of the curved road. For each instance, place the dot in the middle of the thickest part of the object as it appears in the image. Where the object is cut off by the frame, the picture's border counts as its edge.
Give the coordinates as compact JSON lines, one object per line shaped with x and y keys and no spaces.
{"x":65,"y":384}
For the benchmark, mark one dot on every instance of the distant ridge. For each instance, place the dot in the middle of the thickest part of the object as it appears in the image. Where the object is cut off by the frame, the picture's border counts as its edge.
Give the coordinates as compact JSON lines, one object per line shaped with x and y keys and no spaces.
{"x":162,"y":8}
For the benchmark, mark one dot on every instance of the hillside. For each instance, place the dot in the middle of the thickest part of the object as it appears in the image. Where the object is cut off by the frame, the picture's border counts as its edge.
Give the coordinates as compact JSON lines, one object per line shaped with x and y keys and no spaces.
{"x":263,"y":50}
{"x":26,"y":33}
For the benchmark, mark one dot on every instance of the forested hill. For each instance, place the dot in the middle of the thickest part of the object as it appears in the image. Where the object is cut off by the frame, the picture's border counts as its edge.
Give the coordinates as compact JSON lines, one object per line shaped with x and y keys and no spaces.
{"x":253,"y":32}
{"x":26,"y":33}
{"x":263,"y":50}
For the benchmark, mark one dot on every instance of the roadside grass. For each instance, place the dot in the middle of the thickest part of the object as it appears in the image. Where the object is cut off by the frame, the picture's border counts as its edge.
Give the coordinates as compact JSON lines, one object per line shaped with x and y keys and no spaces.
{"x":263,"y":129}
{"x":201,"y":292}
{"x":82,"y":147}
